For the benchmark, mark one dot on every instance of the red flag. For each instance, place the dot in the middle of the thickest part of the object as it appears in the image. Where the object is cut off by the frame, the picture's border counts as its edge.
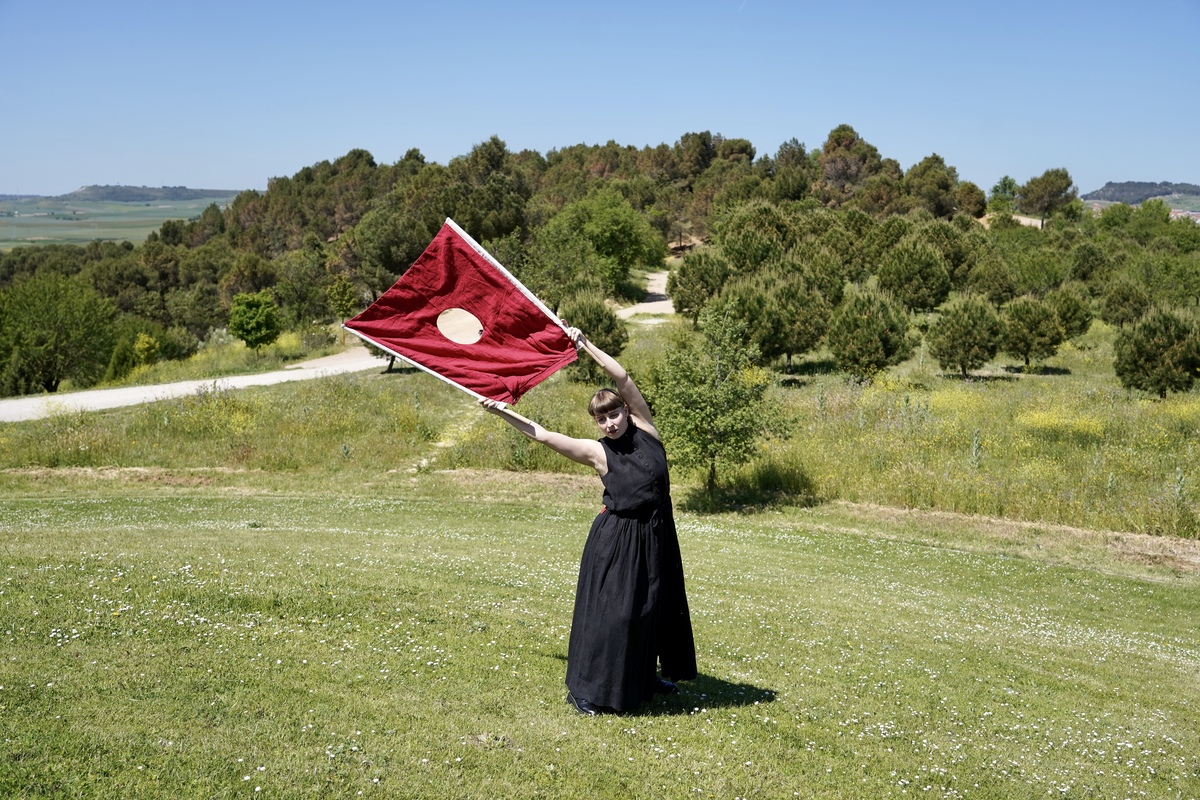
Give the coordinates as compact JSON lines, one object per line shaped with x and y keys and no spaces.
{"x":458,"y":314}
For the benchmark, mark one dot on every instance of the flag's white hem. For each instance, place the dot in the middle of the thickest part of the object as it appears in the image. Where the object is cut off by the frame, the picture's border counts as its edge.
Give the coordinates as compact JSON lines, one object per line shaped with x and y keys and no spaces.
{"x":466,"y":237}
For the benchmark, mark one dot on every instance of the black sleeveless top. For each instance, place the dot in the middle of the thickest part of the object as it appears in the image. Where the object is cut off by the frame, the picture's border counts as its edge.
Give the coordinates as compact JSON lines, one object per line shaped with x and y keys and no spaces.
{"x":637,"y":483}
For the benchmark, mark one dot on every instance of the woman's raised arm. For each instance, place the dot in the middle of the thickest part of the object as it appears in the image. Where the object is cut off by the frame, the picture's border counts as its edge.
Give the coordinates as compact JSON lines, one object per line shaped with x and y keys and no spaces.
{"x":583,"y":451}
{"x":638,"y":407}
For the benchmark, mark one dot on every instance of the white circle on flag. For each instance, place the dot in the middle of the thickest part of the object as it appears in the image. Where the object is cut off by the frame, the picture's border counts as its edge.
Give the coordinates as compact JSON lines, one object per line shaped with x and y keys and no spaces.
{"x":460,"y":326}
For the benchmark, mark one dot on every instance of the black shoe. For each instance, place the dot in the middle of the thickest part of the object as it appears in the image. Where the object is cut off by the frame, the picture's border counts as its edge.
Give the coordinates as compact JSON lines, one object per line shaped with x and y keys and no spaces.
{"x":665,"y":687}
{"x":582,"y":706}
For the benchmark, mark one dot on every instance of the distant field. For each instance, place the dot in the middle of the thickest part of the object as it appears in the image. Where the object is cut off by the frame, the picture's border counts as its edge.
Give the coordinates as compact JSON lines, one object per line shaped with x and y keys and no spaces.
{"x":1184,"y":202}
{"x":55,"y":221}
{"x":1176,"y":202}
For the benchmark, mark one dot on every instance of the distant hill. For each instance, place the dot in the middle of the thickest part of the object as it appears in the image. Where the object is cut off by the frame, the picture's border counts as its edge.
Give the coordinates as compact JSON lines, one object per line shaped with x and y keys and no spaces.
{"x":143,"y":194}
{"x":1134,"y":192}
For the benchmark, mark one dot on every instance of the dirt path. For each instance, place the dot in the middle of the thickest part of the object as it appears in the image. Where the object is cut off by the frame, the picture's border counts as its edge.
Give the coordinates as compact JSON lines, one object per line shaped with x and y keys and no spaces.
{"x":656,"y":301}
{"x":16,"y":409}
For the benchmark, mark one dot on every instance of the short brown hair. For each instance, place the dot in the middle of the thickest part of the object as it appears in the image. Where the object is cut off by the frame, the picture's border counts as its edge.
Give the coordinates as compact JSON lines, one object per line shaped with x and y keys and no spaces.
{"x":605,"y":401}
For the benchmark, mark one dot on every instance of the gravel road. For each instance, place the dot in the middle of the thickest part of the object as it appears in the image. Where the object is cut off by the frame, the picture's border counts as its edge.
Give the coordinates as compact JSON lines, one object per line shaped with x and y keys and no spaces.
{"x":16,"y":409}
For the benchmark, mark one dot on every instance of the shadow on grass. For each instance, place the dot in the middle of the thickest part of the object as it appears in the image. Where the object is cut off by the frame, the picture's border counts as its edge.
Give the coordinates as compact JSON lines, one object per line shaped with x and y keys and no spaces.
{"x":1020,"y":369}
{"x":397,"y":367}
{"x":973,"y":378}
{"x":811,"y":366}
{"x":707,"y":691}
{"x":631,"y":292}
{"x":759,"y":486}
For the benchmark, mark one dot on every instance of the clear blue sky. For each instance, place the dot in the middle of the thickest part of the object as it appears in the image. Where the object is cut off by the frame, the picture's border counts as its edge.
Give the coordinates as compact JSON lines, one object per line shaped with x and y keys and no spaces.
{"x":226,"y":95}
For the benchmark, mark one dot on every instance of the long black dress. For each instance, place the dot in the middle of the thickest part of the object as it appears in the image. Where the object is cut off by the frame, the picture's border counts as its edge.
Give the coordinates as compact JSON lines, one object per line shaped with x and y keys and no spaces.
{"x":630,"y":606}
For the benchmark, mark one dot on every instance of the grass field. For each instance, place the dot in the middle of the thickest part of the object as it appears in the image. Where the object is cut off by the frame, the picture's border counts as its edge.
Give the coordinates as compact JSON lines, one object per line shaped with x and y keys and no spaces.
{"x":282,"y":592}
{"x":53,"y":221}
{"x":197,"y":633}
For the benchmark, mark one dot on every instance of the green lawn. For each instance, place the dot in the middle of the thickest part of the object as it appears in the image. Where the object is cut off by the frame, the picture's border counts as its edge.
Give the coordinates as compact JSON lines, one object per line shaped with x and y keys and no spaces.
{"x":213,"y":632}
{"x":319,"y":589}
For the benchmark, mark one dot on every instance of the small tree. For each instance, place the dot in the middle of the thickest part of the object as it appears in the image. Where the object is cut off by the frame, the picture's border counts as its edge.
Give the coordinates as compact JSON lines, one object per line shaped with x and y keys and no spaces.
{"x":993,"y":278}
{"x":1073,"y":309}
{"x":696,"y":281}
{"x":1031,"y":330}
{"x":53,"y":328}
{"x":868,"y":333}
{"x":1159,"y":354}
{"x":710,"y":400}
{"x":967,"y":335}
{"x":802,"y":312}
{"x":1124,"y":303}
{"x":342,"y":299}
{"x":254,"y":318}
{"x":915,"y":272}
{"x":590,"y":314}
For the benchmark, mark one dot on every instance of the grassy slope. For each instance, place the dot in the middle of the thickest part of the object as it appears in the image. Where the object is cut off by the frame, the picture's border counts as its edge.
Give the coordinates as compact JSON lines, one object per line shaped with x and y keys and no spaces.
{"x":232,"y":591}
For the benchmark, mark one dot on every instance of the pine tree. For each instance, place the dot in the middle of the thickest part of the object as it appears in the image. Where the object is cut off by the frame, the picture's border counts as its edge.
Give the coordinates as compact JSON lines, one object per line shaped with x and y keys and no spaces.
{"x":589,"y":313}
{"x":967,"y":335}
{"x":1031,"y":330}
{"x":916,"y":274}
{"x":868,"y":333}
{"x":1124,"y":303}
{"x":1159,"y":354}
{"x":1072,"y":307}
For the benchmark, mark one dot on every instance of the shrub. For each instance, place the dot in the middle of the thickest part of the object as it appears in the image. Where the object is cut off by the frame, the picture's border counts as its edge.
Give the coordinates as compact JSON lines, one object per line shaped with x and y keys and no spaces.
{"x":1031,"y":330}
{"x":868,"y":332}
{"x":254,"y":318}
{"x":1159,"y":354}
{"x":967,"y":335}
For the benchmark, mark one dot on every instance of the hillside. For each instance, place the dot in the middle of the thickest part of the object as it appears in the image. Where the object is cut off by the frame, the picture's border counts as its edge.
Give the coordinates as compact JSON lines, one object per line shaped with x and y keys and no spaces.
{"x":143,"y":194}
{"x":1134,"y":192}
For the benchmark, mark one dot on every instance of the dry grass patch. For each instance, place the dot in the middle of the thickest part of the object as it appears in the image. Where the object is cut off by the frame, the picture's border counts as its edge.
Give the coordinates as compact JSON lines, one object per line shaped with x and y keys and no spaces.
{"x":1058,"y":544}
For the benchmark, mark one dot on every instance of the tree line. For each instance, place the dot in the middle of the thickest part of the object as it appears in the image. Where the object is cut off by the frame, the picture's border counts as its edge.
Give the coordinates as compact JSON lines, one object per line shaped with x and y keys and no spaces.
{"x":807,"y":247}
{"x":1134,"y":192}
{"x":143,"y":194}
{"x":870,"y":289}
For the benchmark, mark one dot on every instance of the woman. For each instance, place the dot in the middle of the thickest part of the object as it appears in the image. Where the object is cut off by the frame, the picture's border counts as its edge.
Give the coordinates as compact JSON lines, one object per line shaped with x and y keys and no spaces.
{"x":631,"y":611}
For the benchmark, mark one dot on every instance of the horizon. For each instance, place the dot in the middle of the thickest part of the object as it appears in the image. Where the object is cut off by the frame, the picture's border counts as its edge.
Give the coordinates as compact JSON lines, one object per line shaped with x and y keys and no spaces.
{"x":1012,"y":90}
{"x":234,"y":192}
